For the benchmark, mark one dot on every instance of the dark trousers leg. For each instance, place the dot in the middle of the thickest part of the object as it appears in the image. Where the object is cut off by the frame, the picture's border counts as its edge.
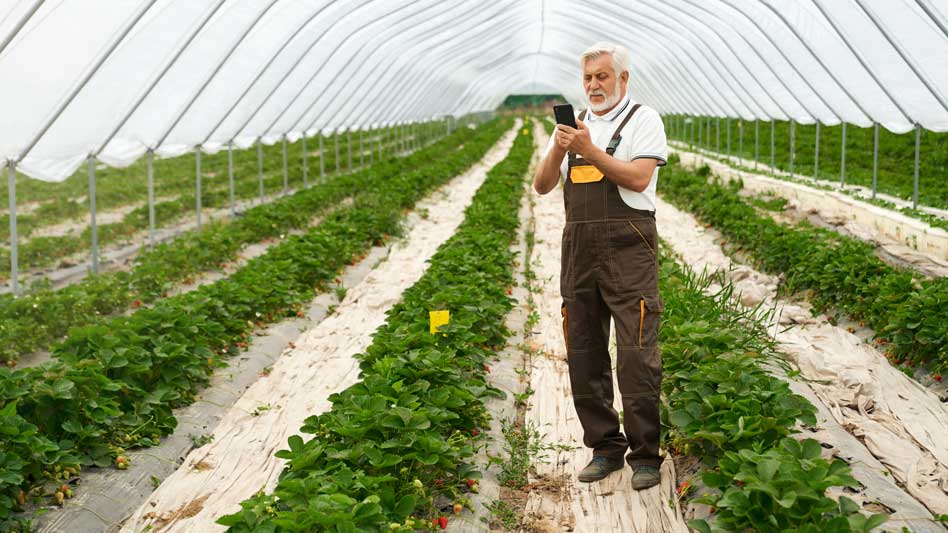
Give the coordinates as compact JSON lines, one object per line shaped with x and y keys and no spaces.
{"x":586,"y":324}
{"x":630,"y":291}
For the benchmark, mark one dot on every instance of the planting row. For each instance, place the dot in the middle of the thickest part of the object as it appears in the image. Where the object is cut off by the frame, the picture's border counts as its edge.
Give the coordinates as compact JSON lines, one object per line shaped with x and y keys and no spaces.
{"x":35,"y":321}
{"x":122,"y":186}
{"x":722,"y":406}
{"x":114,"y":385}
{"x":394,"y":451}
{"x":895,"y":162}
{"x":907,"y":312}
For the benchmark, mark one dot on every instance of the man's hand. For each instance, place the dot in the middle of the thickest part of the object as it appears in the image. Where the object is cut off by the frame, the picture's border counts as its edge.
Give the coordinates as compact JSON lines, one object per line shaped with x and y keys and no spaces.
{"x":575,"y":140}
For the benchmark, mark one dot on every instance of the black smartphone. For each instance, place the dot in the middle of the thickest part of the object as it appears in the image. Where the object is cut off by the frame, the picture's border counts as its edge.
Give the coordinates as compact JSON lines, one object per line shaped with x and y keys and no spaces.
{"x":565,"y":115}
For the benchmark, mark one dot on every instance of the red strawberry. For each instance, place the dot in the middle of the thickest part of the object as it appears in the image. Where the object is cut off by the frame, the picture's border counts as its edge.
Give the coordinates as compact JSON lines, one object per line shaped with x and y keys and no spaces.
{"x":438,"y":482}
{"x":137,"y":303}
{"x":487,"y":369}
{"x":299,"y":313}
{"x":475,"y":432}
{"x":712,"y":510}
{"x":471,"y":482}
{"x":443,"y":522}
{"x":937,"y":377}
{"x":458,"y":508}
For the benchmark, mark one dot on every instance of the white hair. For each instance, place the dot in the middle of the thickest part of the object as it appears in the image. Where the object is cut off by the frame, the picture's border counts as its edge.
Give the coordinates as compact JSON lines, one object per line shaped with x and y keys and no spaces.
{"x":619,"y":53}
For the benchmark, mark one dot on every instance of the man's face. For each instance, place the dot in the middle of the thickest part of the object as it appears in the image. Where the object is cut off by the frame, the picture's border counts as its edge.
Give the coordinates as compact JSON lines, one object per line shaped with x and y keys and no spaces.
{"x":603,"y":88}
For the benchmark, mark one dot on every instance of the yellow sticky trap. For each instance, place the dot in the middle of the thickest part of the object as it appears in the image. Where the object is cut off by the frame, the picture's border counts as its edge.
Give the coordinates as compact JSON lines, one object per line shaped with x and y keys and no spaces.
{"x":585,"y":174}
{"x":438,"y":318}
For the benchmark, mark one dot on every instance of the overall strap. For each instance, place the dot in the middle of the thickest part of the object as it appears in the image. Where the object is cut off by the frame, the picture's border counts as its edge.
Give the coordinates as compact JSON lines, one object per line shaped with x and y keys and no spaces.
{"x":616,"y":137}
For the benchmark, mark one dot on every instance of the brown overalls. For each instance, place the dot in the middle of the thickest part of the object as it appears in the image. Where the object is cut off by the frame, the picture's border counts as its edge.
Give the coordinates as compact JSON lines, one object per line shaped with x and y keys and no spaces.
{"x":610,"y":269}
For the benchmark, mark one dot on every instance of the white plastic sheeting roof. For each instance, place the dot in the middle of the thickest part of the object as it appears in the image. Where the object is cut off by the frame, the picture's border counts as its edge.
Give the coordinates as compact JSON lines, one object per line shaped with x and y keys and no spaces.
{"x":116,"y":78}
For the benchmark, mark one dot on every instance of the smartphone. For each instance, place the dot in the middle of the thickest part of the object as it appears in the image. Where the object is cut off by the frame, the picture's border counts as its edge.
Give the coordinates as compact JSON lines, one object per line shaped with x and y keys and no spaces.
{"x":565,"y":115}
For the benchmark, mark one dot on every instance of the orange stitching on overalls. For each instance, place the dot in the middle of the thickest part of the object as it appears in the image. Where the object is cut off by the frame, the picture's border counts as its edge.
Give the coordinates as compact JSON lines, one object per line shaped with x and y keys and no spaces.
{"x":565,"y":335}
{"x":644,"y":240}
{"x":641,"y":319}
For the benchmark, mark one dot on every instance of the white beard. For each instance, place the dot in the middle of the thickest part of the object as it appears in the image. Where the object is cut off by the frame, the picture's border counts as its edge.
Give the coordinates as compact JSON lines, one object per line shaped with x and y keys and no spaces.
{"x":609,"y":101}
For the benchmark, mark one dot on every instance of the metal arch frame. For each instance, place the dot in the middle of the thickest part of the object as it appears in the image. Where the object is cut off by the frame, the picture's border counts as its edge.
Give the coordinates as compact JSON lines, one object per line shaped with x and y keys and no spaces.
{"x":931,"y":14}
{"x":398,"y":111}
{"x":293,"y":67}
{"x":698,"y":65}
{"x":911,"y":64}
{"x":486,"y":70}
{"x":485,"y":95}
{"x":401,"y":78}
{"x":378,"y":41}
{"x":816,"y":56}
{"x":671,"y":87}
{"x":398,"y":76}
{"x":266,"y":66}
{"x":761,"y":110}
{"x":332,"y":54}
{"x":129,"y":25}
{"x":788,"y":60}
{"x":159,"y":77}
{"x":760,"y":56}
{"x":214,"y":72}
{"x":20,"y":24}
{"x":862,"y":62}
{"x":708,"y":27}
{"x":446,"y":98}
{"x":442,"y":101}
{"x":720,"y":100}
{"x":411,"y":106}
{"x":503,"y":63}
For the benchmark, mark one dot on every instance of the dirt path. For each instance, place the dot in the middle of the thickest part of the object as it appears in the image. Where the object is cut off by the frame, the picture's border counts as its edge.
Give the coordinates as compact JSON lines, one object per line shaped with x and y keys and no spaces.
{"x":216,"y":477}
{"x":558,"y":501}
{"x":899,"y":426}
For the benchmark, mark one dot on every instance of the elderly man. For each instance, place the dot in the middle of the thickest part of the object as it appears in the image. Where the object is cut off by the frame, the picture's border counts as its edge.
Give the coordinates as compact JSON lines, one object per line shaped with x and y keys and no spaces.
{"x":610,"y":264}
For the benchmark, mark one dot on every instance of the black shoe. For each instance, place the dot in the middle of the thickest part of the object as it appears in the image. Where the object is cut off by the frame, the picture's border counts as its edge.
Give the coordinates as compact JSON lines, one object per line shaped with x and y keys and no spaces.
{"x":645,"y":476}
{"x":600,"y":467}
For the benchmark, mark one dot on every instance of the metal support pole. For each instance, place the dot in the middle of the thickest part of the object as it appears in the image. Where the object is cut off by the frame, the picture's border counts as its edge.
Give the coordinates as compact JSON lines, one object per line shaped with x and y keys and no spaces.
{"x":842,"y":163}
{"x":286,"y":178}
{"x":792,"y":147}
{"x":371,"y":151}
{"x":197,"y":173}
{"x":918,"y":146}
{"x":14,"y":260}
{"x":260,"y":167}
{"x":322,"y":160}
{"x":740,"y":139}
{"x":729,"y":137}
{"x":756,"y":143}
{"x":717,"y":133}
{"x":230,"y":178}
{"x":381,"y":132}
{"x":773,"y":130}
{"x":305,"y":165}
{"x":875,"y":157}
{"x":335,"y":140}
{"x":151,"y":199}
{"x":362,"y":147}
{"x":816,"y":153}
{"x":349,"y":150}
{"x":95,"y":230}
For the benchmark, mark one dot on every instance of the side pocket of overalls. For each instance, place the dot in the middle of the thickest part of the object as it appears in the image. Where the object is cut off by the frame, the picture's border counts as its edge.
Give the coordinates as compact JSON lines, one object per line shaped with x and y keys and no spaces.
{"x":645,"y":241}
{"x":650,"y":314}
{"x":565,"y":330}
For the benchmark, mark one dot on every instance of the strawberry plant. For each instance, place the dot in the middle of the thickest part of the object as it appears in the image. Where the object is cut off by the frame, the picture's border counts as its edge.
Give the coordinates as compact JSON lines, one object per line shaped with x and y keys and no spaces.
{"x":903,"y":308}
{"x":394,"y":442}
{"x":113,"y":385}
{"x":721,"y":406}
{"x":43,"y":316}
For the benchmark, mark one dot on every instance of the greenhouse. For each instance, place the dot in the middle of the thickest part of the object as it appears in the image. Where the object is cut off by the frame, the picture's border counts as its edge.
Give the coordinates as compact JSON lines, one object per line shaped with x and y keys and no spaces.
{"x":514,"y":266}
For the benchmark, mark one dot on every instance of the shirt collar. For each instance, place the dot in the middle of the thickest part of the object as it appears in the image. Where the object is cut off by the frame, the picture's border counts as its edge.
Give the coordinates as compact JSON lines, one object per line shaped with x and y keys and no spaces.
{"x":622,"y":106}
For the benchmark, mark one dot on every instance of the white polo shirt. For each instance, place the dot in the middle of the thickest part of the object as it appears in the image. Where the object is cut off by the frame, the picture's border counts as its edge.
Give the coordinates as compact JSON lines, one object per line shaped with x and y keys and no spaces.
{"x":643,"y":136}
